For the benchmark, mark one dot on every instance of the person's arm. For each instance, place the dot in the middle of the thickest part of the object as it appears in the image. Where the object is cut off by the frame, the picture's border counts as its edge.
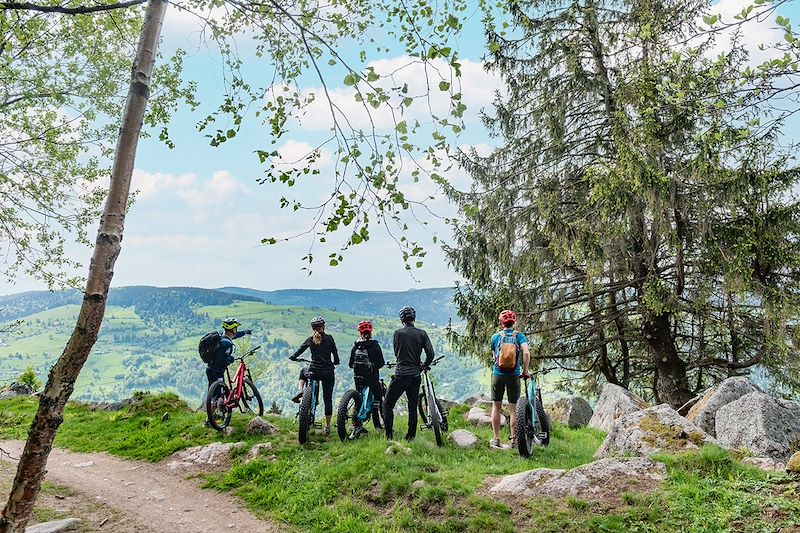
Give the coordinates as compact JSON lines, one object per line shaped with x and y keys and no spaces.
{"x":352,"y":355}
{"x":526,"y":352}
{"x":379,"y":360}
{"x":335,"y":352}
{"x":428,"y":347}
{"x":395,"y":343}
{"x":303,"y":348}
{"x":242,"y":333}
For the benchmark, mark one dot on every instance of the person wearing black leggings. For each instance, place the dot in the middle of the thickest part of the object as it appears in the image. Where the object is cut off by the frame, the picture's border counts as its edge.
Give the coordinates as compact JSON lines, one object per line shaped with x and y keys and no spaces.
{"x":409,"y":343}
{"x":324,"y":356}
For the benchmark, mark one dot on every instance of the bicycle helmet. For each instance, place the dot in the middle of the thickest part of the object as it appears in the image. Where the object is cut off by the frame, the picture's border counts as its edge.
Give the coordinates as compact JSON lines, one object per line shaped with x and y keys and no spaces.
{"x":364,"y":326}
{"x":230,"y":323}
{"x":507,"y":317}
{"x":317,"y":321}
{"x":408,"y":314}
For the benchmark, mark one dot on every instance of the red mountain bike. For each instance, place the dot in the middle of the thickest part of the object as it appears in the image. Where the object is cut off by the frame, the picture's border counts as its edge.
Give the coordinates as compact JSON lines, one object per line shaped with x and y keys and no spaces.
{"x":223,"y":397}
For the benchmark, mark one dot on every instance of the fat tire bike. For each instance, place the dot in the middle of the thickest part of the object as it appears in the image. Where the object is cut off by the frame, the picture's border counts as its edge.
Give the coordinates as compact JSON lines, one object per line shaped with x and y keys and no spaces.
{"x":356,"y":407}
{"x":532,"y":425}
{"x":226,"y":395}
{"x":307,"y":410}
{"x":432,"y":414}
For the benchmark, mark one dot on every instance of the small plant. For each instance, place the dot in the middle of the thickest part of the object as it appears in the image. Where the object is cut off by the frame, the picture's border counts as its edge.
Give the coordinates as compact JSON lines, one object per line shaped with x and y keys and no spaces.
{"x":29,"y":378}
{"x":275,"y":409}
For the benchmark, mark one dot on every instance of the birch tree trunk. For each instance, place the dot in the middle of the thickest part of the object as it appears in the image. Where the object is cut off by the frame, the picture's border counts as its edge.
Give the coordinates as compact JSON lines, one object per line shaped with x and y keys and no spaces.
{"x":61,"y":382}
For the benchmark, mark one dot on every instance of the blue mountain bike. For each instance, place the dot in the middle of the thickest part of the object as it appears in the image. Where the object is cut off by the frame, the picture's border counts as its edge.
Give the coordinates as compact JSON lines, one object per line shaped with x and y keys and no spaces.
{"x":307,"y":412}
{"x":355,"y":409}
{"x":532,"y":424}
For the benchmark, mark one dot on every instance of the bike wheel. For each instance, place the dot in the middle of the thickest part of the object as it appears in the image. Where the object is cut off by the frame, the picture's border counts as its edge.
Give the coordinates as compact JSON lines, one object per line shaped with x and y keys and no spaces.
{"x":433,"y":417}
{"x":219,"y":415}
{"x":347,"y":414}
{"x":251,"y":398}
{"x":443,"y":414}
{"x":423,"y":410}
{"x":523,"y":428}
{"x":305,"y":421}
{"x":543,"y":426}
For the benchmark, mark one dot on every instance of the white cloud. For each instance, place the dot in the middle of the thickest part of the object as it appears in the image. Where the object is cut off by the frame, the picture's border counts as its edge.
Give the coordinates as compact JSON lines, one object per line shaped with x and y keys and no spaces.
{"x":150,"y":185}
{"x":760,"y":29}
{"x":221,"y":187}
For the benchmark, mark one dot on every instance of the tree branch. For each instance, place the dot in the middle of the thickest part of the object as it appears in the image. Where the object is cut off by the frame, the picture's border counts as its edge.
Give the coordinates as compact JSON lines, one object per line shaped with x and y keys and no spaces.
{"x":28,"y":6}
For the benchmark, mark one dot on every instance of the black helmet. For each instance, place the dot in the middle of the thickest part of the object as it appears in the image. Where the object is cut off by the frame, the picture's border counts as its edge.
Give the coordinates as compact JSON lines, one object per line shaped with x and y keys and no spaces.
{"x":408,"y":314}
{"x":317,"y":321}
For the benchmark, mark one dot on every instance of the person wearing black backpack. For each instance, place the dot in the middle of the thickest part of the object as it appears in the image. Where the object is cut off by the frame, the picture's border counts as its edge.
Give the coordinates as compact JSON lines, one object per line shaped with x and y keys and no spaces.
{"x":366,"y":360}
{"x":222,"y":354}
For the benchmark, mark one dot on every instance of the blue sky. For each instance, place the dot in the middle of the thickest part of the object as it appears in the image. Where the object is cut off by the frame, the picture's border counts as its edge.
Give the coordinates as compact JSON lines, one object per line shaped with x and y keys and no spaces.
{"x":200,"y":214}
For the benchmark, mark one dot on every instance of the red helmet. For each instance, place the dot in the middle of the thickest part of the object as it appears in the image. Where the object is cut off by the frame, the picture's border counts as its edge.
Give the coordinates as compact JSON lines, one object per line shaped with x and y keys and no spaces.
{"x":364,"y":327}
{"x":507,"y":317}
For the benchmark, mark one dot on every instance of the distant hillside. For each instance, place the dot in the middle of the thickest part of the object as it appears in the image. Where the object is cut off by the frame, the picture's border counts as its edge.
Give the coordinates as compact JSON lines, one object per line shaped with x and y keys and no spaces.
{"x":150,"y":303}
{"x":434,"y":306}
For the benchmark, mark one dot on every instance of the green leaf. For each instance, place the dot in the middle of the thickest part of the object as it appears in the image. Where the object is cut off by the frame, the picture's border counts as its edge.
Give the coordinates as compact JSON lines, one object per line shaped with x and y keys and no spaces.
{"x":443,"y":85}
{"x":350,"y":80}
{"x":402,"y":127}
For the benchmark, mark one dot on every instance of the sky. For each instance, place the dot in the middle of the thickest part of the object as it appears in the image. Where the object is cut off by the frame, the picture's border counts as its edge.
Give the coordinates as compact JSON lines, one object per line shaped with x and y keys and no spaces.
{"x":200,"y":215}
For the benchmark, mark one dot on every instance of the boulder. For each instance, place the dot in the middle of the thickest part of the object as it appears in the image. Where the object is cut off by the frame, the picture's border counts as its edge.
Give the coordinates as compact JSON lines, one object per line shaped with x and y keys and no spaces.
{"x":704,"y":412}
{"x":396,"y":448}
{"x":55,"y":526}
{"x":447,"y":404}
{"x":480,"y":400}
{"x":259,"y":426}
{"x":15,"y":389}
{"x":479,"y":417}
{"x":603,"y":479}
{"x":766,"y":426}
{"x":572,"y":411}
{"x":461,"y":438}
{"x":614,"y":402}
{"x":793,"y":464}
{"x":650,"y":431}
{"x":214,"y":454}
{"x":258,"y":450}
{"x":767,"y":464}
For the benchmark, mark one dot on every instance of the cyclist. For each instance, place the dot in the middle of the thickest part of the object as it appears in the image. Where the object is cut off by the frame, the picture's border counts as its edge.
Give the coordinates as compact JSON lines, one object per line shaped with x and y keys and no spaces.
{"x":324,"y":356}
{"x":409,"y":343}
{"x":223,"y":354}
{"x":369,"y":371}
{"x":507,"y":380}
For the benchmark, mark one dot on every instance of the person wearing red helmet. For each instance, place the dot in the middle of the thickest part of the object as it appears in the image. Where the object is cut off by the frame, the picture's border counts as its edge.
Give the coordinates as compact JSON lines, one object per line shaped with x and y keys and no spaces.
{"x":511,"y":359}
{"x":366,"y":360}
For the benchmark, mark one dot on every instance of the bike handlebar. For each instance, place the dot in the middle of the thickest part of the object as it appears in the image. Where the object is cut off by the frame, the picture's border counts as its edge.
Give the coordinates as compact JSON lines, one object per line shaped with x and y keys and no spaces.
{"x":300,"y":360}
{"x":543,"y":371}
{"x":392,"y":365}
{"x":248,"y":353}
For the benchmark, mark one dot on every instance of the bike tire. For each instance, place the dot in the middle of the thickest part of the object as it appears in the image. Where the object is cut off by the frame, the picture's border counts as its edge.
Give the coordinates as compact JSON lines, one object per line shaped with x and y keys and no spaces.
{"x":347,"y":412}
{"x":252,"y":398}
{"x":544,"y":423}
{"x":304,"y":420}
{"x":423,"y":409}
{"x":218,"y":416}
{"x":523,"y":428}
{"x":434,"y":420}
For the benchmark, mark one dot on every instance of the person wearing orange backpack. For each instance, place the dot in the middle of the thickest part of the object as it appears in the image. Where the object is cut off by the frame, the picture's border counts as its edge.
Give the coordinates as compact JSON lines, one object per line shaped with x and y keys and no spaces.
{"x":512,"y":358}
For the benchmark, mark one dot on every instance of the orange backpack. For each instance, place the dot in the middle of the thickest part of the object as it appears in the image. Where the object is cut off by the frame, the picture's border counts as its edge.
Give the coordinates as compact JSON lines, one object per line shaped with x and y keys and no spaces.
{"x":507,"y":351}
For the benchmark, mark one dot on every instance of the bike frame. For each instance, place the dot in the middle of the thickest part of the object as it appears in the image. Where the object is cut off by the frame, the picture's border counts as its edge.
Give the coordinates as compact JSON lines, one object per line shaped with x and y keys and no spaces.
{"x":236,"y":386}
{"x":366,"y":404}
{"x":433,"y":410}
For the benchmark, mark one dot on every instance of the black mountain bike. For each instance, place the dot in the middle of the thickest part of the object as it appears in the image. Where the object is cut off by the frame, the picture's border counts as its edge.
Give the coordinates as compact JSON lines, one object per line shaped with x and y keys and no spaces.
{"x":307,"y":411}
{"x":432,"y":414}
{"x":532,"y":423}
{"x":356,"y":407}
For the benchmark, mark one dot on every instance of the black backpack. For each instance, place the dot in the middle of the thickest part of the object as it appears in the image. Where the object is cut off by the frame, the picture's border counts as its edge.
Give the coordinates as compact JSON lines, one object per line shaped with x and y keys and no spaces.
{"x":208,"y":346}
{"x":361,"y":364}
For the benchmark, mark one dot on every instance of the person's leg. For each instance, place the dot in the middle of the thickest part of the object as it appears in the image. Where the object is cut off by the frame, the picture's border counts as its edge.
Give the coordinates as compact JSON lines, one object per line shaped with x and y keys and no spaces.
{"x":328,"y":381}
{"x":374,"y":384}
{"x":412,"y":393}
{"x":498,"y":389}
{"x":513,"y":397}
{"x":301,"y":384}
{"x":392,"y":395}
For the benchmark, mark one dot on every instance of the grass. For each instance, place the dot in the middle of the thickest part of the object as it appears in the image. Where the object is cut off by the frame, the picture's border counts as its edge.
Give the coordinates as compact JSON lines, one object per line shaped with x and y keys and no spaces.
{"x":327,"y":485}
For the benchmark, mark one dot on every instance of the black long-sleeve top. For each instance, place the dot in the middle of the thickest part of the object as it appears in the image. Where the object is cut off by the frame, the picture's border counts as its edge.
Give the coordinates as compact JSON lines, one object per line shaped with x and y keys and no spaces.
{"x":375,"y":354}
{"x":409,"y":343}
{"x":323,"y":355}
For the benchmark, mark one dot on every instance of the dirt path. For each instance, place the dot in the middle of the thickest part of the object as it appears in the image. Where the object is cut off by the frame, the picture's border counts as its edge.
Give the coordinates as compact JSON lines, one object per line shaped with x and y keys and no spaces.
{"x":158,"y":500}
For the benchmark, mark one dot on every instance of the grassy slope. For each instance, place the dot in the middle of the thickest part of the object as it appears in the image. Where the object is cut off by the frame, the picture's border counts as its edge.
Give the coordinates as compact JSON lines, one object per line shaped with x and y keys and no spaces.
{"x":333,"y":486}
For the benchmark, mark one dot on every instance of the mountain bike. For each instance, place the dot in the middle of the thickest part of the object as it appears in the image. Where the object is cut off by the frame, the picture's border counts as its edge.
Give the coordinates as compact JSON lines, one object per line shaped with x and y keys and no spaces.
{"x":532,"y":424}
{"x":432,"y":413}
{"x":225,"y":396}
{"x":307,"y":411}
{"x":355,"y":408}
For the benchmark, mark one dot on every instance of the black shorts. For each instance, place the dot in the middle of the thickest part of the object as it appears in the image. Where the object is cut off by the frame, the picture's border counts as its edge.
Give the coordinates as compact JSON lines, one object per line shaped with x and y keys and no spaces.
{"x":501,"y":384}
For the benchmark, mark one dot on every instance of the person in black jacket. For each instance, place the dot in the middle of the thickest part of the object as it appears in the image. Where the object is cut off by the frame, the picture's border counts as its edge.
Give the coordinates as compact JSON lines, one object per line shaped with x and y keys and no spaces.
{"x":324,"y":356}
{"x":223,"y":354}
{"x":409,"y":343}
{"x":368,"y":370}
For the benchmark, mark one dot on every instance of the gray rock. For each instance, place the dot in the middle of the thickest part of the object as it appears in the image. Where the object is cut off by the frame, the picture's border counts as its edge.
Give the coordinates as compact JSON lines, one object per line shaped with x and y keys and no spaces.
{"x":15,"y":389}
{"x":572,"y":411}
{"x":476,"y":399}
{"x":614,"y":402}
{"x":259,"y":426}
{"x":650,"y":431}
{"x":447,"y":404}
{"x":793,"y":464}
{"x":396,"y":448}
{"x":764,"y":425}
{"x":214,"y":454}
{"x":56,"y":526}
{"x":704,"y":412}
{"x":258,"y":450}
{"x":767,"y":464}
{"x":461,"y":438}
{"x":603,"y":479}
{"x":479,"y":417}
{"x":228,"y":431}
